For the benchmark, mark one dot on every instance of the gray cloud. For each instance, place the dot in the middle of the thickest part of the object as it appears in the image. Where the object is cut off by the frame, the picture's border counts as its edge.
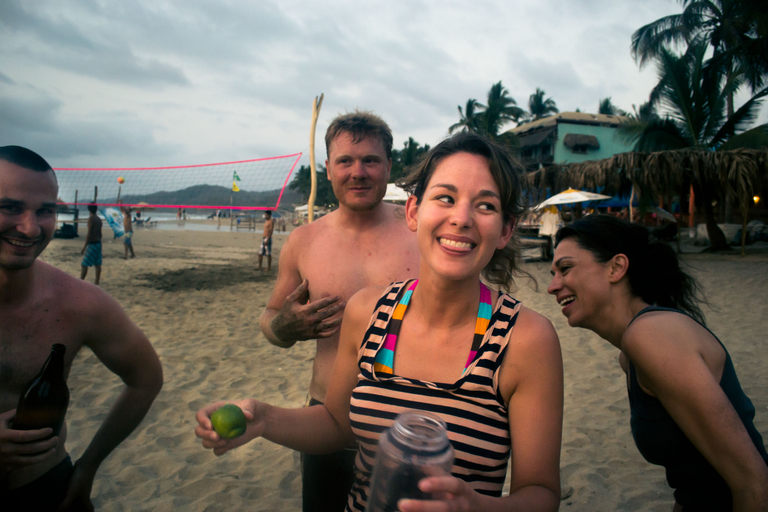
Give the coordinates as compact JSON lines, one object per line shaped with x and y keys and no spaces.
{"x":171,"y":82}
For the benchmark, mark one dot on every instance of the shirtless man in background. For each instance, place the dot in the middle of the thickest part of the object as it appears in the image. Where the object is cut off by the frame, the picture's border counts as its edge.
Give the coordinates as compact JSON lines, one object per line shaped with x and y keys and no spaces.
{"x":92,"y":255}
{"x":128,"y":229}
{"x":266,"y":240}
{"x":39,"y":306}
{"x":364,"y":242}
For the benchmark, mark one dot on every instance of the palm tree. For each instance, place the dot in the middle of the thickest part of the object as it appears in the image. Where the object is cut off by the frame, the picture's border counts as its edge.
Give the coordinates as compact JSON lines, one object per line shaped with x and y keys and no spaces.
{"x":301,"y":183}
{"x":539,"y":107}
{"x":489,"y":119}
{"x":607,"y":107}
{"x":406,"y":157}
{"x":500,"y":109}
{"x":736,"y":30}
{"x":692,"y":93}
{"x":691,"y":96}
{"x":469,"y":120}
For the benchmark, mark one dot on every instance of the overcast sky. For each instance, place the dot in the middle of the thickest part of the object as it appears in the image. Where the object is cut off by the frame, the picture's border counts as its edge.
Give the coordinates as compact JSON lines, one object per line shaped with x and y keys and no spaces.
{"x":90,"y":83}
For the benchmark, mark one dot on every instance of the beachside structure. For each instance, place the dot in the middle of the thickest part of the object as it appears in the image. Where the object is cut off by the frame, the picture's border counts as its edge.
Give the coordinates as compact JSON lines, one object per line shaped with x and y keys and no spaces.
{"x":569,"y":137}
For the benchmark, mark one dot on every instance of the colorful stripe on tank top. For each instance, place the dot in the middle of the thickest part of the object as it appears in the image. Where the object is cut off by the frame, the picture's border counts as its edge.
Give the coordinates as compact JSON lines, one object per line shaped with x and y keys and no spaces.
{"x":484,"y":311}
{"x":385,"y":357}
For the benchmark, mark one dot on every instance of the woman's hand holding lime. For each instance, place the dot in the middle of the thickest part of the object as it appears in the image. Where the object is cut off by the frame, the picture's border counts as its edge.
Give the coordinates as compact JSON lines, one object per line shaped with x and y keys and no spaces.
{"x":229,"y":421}
{"x":222,"y":426}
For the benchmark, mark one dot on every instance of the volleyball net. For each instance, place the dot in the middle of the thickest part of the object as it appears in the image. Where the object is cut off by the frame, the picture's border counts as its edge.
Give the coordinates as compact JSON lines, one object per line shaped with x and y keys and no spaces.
{"x":256,"y":184}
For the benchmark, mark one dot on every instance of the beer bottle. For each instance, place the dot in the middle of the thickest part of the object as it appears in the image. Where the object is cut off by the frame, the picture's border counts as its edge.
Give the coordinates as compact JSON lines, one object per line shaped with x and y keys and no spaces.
{"x":44,"y":401}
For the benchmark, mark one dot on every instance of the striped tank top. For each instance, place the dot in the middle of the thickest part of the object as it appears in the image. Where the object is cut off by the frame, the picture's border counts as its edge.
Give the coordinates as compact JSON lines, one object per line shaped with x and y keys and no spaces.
{"x":472,"y":406}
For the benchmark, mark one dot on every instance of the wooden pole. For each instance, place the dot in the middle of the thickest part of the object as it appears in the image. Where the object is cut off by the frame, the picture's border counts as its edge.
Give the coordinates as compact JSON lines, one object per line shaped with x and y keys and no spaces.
{"x":316,"y":104}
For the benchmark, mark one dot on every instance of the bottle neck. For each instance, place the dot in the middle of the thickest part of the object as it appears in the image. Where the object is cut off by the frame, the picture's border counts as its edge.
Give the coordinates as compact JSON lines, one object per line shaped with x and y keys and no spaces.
{"x":54,"y":365}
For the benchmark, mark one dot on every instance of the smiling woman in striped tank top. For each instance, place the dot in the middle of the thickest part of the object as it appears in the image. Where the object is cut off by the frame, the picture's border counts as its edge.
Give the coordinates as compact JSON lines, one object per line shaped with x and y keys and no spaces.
{"x":448,"y":343}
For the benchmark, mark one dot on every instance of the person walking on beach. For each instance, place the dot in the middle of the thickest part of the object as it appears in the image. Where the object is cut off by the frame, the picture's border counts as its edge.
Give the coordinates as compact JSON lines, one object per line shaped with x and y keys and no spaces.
{"x":92,"y":246}
{"x":494,"y":372}
{"x":322,"y":264}
{"x":688,"y":412}
{"x":128,"y":228}
{"x":266,"y":240}
{"x":39,"y":306}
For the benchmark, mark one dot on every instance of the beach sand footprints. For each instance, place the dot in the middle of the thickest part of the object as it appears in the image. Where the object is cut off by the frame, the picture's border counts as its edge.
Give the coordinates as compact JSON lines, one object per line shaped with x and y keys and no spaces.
{"x":203,"y":277}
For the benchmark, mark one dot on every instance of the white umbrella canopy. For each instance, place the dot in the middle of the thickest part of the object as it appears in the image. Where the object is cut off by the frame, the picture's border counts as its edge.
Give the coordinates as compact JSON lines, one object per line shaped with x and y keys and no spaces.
{"x":570,"y":196}
{"x":395,"y":193}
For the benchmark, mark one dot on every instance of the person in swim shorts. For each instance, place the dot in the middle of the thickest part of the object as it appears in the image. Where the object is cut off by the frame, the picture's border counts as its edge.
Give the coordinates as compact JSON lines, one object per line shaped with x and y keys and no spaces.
{"x":266,"y":240}
{"x":92,"y":246}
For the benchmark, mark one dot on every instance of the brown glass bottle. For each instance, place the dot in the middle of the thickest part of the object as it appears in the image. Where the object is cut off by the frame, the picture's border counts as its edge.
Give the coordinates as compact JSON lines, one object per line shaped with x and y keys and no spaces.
{"x":44,"y":401}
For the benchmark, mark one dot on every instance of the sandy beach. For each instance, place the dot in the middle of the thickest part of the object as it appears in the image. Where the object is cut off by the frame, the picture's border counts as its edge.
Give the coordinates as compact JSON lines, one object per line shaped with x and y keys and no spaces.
{"x":198,"y":296}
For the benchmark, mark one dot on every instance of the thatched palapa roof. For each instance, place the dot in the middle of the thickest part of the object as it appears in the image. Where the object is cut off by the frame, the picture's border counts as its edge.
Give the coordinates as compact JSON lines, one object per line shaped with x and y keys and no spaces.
{"x":738,"y":173}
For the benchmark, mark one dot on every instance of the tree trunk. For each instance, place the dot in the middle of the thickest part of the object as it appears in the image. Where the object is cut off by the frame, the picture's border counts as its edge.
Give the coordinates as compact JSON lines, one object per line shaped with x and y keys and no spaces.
{"x":717,"y":241}
{"x":744,"y":217}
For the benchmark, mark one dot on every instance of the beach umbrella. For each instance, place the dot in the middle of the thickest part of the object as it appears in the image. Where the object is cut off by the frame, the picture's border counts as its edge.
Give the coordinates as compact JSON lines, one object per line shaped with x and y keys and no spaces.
{"x":571,"y":196}
{"x":395,"y":193}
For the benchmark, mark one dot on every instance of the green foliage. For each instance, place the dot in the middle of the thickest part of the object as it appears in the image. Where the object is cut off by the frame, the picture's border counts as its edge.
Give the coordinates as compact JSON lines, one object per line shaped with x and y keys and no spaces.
{"x":756,"y":138}
{"x":692,"y":111}
{"x":403,"y":159}
{"x":607,"y":107}
{"x":539,"y":106}
{"x":469,"y":118}
{"x":302,"y":183}
{"x":690,"y":104}
{"x":735,"y":31}
{"x":489,"y":118}
{"x":500,"y":109}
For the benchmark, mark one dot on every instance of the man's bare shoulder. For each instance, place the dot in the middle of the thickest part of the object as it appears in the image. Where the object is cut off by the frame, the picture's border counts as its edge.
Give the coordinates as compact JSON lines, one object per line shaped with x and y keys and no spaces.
{"x":393,"y":216}
{"x":56,"y":276}
{"x":306,"y":234}
{"x":397,"y":231}
{"x":307,"y":231}
{"x":396,"y":212}
{"x":67,"y":291}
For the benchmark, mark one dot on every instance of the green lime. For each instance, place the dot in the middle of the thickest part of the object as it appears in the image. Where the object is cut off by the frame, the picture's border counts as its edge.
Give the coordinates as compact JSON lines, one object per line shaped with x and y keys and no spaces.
{"x":228,"y":421}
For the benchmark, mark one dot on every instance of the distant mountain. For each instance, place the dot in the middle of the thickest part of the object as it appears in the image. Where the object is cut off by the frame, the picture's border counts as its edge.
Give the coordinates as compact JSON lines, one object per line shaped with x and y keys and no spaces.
{"x":214,"y":195}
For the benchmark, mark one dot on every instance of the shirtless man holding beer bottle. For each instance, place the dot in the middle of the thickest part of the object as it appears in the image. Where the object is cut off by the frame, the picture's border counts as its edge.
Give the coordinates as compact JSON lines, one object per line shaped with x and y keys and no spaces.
{"x":41,"y":306}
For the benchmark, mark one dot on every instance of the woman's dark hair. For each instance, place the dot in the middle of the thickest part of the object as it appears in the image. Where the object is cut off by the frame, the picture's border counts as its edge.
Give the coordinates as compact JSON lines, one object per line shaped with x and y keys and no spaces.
{"x":654,"y":271}
{"x":507,"y":173}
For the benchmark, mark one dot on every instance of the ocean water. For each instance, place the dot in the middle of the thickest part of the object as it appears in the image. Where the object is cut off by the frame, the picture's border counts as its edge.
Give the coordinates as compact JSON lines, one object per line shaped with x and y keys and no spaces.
{"x":165,"y":221}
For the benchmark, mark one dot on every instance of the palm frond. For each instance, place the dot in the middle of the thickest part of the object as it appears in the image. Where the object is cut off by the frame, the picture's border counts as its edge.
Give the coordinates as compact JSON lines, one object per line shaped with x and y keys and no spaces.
{"x":743,"y":117}
{"x":648,"y":40}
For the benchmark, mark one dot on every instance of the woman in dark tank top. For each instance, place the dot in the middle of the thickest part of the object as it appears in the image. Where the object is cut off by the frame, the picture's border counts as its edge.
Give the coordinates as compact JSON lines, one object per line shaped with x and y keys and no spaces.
{"x":688,"y":411}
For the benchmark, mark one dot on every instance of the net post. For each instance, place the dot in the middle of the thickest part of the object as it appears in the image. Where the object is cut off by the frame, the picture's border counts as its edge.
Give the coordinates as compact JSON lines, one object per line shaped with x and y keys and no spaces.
{"x":316,"y":104}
